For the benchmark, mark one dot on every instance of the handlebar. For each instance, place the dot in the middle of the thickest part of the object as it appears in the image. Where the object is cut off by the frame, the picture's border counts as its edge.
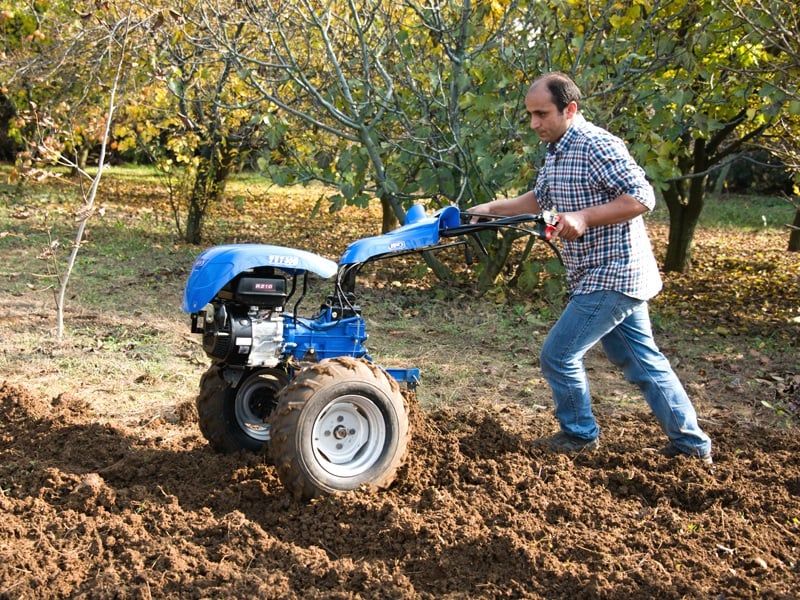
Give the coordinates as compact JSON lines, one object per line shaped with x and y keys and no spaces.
{"x":544,"y":224}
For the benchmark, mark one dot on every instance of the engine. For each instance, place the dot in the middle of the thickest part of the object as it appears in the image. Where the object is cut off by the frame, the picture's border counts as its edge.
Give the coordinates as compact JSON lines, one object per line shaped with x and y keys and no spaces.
{"x":243,"y":324}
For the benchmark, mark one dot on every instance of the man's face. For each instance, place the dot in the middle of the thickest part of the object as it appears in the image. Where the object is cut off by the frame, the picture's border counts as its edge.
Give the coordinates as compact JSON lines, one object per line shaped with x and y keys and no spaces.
{"x":546,"y":120}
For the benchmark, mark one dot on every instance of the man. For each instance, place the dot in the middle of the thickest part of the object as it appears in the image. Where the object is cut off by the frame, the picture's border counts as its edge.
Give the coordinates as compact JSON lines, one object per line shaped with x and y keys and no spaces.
{"x":600,"y":194}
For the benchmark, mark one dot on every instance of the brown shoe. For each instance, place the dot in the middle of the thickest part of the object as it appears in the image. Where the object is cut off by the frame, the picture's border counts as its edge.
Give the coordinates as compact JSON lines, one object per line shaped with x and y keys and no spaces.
{"x":563,"y":442}
{"x":671,"y":451}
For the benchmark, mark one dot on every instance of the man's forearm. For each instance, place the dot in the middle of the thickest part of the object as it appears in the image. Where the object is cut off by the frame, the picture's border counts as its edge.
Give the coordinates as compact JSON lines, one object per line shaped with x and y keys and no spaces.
{"x":523,"y":204}
{"x":620,"y":209}
{"x":572,"y":225}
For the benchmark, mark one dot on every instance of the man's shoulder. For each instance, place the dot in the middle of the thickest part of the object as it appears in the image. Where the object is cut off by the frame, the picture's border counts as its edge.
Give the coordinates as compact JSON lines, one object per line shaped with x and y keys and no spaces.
{"x":593,"y":138}
{"x":588,"y":132}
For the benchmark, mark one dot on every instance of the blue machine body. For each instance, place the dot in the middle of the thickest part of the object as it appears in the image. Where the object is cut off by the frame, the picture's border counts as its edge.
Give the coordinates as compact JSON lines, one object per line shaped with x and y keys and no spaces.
{"x":326,"y":335}
{"x":418,"y":232}
{"x":216,"y":266}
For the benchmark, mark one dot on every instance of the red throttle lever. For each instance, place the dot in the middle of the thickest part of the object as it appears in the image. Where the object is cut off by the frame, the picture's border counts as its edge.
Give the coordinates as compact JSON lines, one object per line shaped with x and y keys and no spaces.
{"x":547,"y":228}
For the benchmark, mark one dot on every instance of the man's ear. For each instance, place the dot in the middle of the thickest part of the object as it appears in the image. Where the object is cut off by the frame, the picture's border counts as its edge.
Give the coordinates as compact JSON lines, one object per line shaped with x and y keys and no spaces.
{"x":571,"y":109}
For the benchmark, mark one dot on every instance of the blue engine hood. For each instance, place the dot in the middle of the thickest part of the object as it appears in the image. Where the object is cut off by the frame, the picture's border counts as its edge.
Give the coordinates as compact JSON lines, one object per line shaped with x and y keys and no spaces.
{"x":218,"y":265}
{"x":417,"y":233}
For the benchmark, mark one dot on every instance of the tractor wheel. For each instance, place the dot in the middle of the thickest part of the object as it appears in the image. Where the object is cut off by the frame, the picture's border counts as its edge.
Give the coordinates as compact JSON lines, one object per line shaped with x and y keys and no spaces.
{"x":340,"y":425}
{"x":234,"y":419}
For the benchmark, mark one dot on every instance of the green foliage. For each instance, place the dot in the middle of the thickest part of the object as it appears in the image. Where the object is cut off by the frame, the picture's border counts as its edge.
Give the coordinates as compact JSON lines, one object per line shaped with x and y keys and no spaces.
{"x":56,"y":72}
{"x":409,"y":103}
{"x":19,"y":23}
{"x":666,"y":75}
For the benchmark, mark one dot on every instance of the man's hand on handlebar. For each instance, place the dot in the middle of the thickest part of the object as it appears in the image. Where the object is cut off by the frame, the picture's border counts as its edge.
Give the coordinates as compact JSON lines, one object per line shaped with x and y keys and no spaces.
{"x":476,"y":211}
{"x":570,"y":226}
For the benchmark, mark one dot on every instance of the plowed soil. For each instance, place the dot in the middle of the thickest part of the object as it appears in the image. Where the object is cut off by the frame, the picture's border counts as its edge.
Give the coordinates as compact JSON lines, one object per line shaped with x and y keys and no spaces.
{"x":98,"y":510}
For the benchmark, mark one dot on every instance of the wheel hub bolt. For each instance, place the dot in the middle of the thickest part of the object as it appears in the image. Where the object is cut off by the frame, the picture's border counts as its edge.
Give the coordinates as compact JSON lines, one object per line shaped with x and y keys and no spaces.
{"x":340,"y":432}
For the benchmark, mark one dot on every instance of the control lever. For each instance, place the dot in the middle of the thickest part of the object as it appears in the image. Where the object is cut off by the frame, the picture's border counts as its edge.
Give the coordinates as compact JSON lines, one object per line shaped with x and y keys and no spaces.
{"x":546,"y":229}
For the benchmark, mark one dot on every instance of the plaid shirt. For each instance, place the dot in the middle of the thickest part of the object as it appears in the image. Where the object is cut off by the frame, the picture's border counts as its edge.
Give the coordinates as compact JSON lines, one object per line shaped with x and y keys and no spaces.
{"x":588,"y":167}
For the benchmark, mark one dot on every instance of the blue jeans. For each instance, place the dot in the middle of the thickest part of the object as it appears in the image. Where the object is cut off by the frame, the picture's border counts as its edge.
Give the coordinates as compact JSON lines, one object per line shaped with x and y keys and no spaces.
{"x":622,"y":324}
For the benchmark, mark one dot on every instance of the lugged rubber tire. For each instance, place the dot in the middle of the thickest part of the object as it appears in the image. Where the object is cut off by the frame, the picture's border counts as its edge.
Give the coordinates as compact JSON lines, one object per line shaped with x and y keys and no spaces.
{"x":340,"y":405}
{"x":216,"y":411}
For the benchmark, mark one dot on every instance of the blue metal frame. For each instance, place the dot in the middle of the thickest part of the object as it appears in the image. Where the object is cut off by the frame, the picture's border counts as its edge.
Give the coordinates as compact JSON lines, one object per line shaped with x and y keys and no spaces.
{"x":324,"y":336}
{"x":408,"y":376}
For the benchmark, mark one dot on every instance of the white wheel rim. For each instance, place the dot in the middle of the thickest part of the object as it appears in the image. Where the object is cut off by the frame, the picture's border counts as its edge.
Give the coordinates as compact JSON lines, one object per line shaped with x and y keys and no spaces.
{"x":349,"y":435}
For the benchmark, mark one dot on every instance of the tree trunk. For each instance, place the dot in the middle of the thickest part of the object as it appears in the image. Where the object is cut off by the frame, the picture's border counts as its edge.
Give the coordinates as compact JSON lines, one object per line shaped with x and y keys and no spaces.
{"x":8,"y":148}
{"x":209,"y":185}
{"x":493,"y":264}
{"x":81,"y":160}
{"x":794,"y":237}
{"x":685,"y":203}
{"x":194,"y":221}
{"x":682,"y":224}
{"x":389,"y":220}
{"x":199,"y":200}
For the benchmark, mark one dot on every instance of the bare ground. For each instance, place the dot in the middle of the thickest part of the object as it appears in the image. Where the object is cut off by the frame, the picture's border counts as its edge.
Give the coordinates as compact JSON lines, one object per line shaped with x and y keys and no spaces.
{"x":99,"y":510}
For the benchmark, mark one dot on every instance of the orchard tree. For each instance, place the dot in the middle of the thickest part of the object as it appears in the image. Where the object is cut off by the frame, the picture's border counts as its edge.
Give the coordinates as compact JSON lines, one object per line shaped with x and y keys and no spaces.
{"x":390,"y":84}
{"x":776,"y":24}
{"x":182,"y":101}
{"x":28,"y":34}
{"x":193,"y":119}
{"x":57,"y":75}
{"x":105,"y":38}
{"x":17,"y":27}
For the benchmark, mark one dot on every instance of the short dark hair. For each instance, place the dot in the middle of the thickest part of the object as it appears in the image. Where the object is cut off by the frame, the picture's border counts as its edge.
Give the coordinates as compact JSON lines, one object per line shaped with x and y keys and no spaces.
{"x":562,"y":88}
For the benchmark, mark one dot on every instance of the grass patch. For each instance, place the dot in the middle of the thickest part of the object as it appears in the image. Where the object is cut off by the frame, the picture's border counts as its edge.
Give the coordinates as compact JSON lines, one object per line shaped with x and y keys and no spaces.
{"x":736,"y":211}
{"x":747,"y":212}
